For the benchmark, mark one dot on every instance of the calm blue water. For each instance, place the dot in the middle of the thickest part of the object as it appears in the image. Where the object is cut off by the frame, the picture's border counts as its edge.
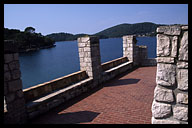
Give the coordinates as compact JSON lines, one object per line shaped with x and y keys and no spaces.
{"x":47,"y":64}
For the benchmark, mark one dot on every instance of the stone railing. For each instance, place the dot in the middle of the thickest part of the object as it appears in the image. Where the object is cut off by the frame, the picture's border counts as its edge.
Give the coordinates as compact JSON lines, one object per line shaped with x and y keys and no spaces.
{"x":111,"y":64}
{"x":55,"y":98}
{"x":43,"y":97}
{"x":53,"y":85}
{"x":170,"y":105}
{"x":115,"y":67}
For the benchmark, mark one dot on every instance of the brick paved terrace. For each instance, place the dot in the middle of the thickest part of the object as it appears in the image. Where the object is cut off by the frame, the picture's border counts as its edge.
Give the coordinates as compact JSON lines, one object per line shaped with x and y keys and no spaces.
{"x":124,"y":100}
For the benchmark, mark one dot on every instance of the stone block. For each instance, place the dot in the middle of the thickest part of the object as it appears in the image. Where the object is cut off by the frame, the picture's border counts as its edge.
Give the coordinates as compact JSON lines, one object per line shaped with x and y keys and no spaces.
{"x":94,"y":39}
{"x":165,"y":75}
{"x":16,"y":74}
{"x":164,"y":121}
{"x":81,"y":60}
{"x":184,"y":27}
{"x":81,"y":49}
{"x":130,"y":45}
{"x":90,"y":74}
{"x":180,"y":113}
{"x":165,"y":60}
{"x":130,"y":39}
{"x":124,"y":38}
{"x":7,"y":76}
{"x":19,"y":93}
{"x":54,"y":103}
{"x":16,"y":56}
{"x":10,"y":97}
{"x":130,"y":49}
{"x":81,"y":54}
{"x":174,"y":46}
{"x":8,"y":58}
{"x":14,"y":65}
{"x":87,"y":54}
{"x":81,"y":44}
{"x":5,"y":88}
{"x":87,"y":59}
{"x":183,"y":50}
{"x":182,"y":98}
{"x":82,"y":68}
{"x":83,"y":64}
{"x":95,"y":51}
{"x":181,"y":64}
{"x":6,"y":67}
{"x":161,"y":110}
{"x":162,"y":94}
{"x":83,"y":39}
{"x":182,"y":79}
{"x":89,"y":64}
{"x":89,"y":69}
{"x":163,"y":45}
{"x":33,"y":114}
{"x":169,"y":30}
{"x":87,"y":49}
{"x":125,"y":45}
{"x":14,"y":85}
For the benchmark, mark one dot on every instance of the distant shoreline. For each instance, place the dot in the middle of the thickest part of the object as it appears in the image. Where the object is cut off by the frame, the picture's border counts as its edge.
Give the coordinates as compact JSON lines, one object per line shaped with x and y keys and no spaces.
{"x":35,"y":49}
{"x":100,"y":38}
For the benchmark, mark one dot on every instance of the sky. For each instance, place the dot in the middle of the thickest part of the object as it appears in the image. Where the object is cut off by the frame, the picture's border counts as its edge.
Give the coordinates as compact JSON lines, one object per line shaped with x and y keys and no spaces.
{"x":89,"y":18}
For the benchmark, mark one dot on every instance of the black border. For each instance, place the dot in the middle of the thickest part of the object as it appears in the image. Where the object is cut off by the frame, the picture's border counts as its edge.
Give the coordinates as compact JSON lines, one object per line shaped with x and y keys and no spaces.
{"x":2,"y":2}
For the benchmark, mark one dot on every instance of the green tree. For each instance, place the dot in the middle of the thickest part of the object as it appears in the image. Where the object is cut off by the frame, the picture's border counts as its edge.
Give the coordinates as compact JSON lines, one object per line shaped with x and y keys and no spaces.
{"x":30,"y":29}
{"x":27,"y":39}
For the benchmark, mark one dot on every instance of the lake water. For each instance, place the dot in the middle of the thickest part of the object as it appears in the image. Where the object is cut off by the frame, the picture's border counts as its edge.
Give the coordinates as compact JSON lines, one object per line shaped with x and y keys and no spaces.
{"x":47,"y":64}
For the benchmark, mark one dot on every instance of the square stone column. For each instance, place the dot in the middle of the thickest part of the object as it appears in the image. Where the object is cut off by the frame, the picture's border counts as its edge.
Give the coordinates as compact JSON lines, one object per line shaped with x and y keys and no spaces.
{"x":89,"y":56}
{"x":130,"y":49}
{"x":14,"y":101}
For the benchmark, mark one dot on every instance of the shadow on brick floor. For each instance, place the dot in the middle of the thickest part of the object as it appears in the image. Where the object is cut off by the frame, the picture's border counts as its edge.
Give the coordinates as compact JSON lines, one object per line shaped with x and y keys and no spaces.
{"x":73,"y":117}
{"x":119,"y":82}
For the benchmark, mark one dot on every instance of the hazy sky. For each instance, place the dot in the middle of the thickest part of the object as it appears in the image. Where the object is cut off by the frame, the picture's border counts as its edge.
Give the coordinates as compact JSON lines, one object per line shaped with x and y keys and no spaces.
{"x":89,"y":18}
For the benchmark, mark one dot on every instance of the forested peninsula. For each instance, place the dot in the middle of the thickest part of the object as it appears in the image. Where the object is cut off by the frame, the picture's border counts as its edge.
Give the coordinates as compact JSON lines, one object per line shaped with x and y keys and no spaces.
{"x":27,"y":40}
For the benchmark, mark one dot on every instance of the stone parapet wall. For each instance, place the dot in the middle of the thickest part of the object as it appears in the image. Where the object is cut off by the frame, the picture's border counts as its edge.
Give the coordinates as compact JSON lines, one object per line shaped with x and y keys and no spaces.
{"x":39,"y":90}
{"x":113,"y":63}
{"x":115,"y":71}
{"x":43,"y":97}
{"x":55,"y":98}
{"x":149,"y":62}
{"x":170,"y":103}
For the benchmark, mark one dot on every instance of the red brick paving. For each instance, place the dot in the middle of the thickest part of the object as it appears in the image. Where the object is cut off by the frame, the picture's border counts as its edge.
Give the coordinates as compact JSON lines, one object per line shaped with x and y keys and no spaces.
{"x":124,"y":100}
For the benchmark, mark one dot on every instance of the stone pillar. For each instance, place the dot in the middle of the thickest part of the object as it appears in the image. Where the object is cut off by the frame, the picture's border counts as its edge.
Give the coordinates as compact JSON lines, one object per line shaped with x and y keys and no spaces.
{"x":170,"y":104}
{"x":89,"y":56}
{"x":130,"y":49}
{"x":142,"y":54}
{"x":13,"y":93}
